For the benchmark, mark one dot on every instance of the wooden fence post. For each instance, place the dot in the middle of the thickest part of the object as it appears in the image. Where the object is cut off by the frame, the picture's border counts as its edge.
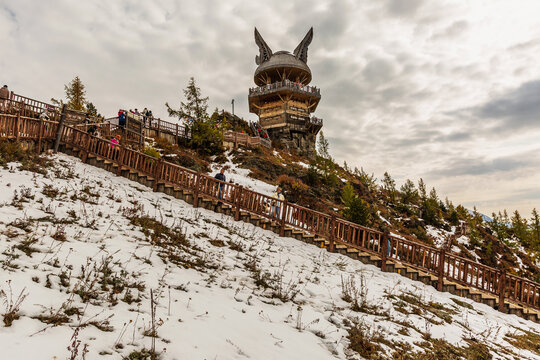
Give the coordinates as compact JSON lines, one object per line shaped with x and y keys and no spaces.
{"x":176,"y":133}
{"x":332,"y":235}
{"x":196,"y":190}
{"x":18,"y":126}
{"x":158,"y":127}
{"x":141,"y":136}
{"x":502,"y":290}
{"x":440,"y":269}
{"x":157,"y":173}
{"x":40,"y":136}
{"x":60,"y":128}
{"x":238,"y":201}
{"x":282,"y":225}
{"x":86,"y":148}
{"x":384,"y":249}
{"x":120,"y":160}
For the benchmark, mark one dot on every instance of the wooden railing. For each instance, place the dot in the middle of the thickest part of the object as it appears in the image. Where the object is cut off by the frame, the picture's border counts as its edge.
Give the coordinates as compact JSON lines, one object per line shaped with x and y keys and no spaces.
{"x":237,"y":138}
{"x":438,"y":262}
{"x":159,"y":126}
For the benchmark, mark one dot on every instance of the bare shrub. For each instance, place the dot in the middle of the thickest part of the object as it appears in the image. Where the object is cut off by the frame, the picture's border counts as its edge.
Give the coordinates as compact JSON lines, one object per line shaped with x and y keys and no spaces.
{"x":12,"y":305}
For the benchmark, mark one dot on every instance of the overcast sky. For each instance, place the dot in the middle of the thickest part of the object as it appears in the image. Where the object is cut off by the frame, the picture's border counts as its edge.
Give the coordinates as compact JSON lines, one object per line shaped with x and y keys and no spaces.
{"x":444,"y":90}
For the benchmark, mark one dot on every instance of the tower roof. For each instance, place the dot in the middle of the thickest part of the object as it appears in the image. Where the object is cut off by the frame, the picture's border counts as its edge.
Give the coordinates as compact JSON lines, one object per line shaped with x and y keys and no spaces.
{"x":282,"y":64}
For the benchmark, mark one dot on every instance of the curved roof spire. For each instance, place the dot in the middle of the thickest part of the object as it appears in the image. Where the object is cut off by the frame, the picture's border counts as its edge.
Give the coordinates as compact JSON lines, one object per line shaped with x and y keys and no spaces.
{"x":301,"y":50}
{"x":264,"y":50}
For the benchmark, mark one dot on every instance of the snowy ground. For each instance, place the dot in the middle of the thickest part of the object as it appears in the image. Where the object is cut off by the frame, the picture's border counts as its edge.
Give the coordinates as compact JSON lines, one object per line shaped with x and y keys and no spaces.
{"x":68,"y":245}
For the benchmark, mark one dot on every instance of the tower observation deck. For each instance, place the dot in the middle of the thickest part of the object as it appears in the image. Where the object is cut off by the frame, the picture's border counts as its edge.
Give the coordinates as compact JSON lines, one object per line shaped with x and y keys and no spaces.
{"x":283,"y":98}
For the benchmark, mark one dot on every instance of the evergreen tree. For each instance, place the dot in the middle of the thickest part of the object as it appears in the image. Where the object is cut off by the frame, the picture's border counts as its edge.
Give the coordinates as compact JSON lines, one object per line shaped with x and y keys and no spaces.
{"x":409,"y":194}
{"x":389,"y":186}
{"x":206,"y":133}
{"x":422,"y":189}
{"x":359,"y":212}
{"x":195,"y":107}
{"x":454,"y":217}
{"x":324,"y":161}
{"x":76,"y":94}
{"x":347,"y":195}
{"x":323,"y":147}
{"x":355,"y":208}
{"x":498,"y":226}
{"x":534,"y":226}
{"x":430,"y":206}
{"x":505,"y":218}
{"x":92,"y":110}
{"x":519,"y":228}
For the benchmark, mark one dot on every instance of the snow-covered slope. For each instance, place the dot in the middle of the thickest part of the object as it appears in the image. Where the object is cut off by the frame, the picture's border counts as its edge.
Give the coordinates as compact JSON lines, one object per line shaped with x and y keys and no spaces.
{"x":85,"y":248}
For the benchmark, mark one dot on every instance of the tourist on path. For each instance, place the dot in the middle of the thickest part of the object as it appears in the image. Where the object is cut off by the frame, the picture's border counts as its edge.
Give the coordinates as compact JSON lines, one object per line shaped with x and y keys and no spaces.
{"x":276,"y":203}
{"x":121,"y":118}
{"x":4,"y":96}
{"x":221,"y":177}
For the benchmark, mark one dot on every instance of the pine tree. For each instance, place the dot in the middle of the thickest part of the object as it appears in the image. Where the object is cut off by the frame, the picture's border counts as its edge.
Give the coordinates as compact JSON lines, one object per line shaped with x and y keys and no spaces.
{"x":76,"y":94}
{"x":324,"y":161}
{"x":534,"y":227}
{"x":432,"y":211}
{"x":194,"y":108}
{"x":92,"y":110}
{"x":498,"y":226}
{"x":355,"y":208}
{"x":389,"y":186}
{"x":519,"y":227}
{"x":206,"y":133}
{"x":347,"y":195}
{"x":323,"y":147}
{"x":422,"y":189}
{"x":409,"y":194}
{"x":359,"y":212}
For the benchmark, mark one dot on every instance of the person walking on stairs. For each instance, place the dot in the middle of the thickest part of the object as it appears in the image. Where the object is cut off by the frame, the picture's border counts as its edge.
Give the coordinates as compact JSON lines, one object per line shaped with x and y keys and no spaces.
{"x":221,"y":177}
{"x":4,"y":97}
{"x":276,"y":203}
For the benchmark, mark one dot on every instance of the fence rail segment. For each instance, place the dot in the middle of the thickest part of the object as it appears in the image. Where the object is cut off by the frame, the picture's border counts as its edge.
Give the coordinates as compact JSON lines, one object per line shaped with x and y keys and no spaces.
{"x":439,"y":262}
{"x":238,"y":138}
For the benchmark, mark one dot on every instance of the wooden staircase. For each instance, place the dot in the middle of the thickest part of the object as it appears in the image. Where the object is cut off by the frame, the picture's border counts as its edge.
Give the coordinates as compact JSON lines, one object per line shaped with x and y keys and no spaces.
{"x":365,"y":257}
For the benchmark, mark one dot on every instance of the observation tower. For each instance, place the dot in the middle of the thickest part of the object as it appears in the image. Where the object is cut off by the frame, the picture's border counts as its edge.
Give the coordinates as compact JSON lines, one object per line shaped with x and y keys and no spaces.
{"x":283,"y":98}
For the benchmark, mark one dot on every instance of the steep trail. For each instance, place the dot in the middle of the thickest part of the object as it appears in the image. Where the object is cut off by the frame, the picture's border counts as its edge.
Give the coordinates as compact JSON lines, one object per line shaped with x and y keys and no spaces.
{"x":73,"y":240}
{"x":443,"y":270}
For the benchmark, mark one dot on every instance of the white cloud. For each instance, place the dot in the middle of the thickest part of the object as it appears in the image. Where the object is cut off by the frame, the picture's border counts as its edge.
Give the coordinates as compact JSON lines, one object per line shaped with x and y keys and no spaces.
{"x":396,"y":76}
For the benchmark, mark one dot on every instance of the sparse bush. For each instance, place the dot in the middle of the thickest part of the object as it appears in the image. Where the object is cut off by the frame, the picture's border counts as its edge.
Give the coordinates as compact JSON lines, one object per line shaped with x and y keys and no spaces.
{"x":12,"y":305}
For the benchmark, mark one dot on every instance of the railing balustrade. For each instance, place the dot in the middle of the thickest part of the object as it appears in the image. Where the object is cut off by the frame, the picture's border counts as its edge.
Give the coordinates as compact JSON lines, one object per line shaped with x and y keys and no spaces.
{"x":284,"y":84}
{"x":431,"y":260}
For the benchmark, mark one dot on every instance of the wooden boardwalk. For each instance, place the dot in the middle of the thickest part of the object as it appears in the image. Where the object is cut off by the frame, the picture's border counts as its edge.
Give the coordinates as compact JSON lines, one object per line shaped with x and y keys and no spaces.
{"x":440,"y":268}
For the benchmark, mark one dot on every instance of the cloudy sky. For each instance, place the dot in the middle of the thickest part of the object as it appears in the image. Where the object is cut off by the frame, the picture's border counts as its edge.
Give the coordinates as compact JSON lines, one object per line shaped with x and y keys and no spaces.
{"x":444,"y":90}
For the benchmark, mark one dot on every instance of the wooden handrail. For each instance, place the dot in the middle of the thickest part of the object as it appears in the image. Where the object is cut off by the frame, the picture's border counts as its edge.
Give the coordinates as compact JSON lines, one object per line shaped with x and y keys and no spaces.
{"x":439,"y":262}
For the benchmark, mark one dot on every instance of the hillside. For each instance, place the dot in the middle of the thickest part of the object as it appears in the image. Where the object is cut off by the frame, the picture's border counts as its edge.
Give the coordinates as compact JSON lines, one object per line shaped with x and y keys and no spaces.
{"x":410,"y":210}
{"x":82,"y":251}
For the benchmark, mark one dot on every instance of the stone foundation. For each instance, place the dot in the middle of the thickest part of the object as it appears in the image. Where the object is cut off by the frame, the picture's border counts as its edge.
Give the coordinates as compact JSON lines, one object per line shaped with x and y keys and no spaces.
{"x":301,"y":143}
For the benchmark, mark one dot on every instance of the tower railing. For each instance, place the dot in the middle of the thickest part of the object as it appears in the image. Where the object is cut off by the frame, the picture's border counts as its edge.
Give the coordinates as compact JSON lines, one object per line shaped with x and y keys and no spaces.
{"x":284,"y":84}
